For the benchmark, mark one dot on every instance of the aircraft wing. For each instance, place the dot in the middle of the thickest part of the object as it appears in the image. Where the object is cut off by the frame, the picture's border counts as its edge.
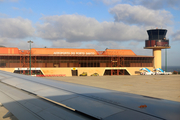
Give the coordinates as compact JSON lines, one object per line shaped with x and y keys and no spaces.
{"x":32,"y":98}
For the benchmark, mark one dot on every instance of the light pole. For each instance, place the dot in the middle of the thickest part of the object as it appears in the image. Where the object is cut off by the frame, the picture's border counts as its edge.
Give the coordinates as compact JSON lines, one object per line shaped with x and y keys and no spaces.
{"x":30,"y":57}
{"x":165,"y":58}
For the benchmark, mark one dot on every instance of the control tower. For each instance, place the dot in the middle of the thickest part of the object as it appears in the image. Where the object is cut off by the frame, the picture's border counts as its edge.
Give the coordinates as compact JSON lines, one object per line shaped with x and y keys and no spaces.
{"x":157,"y":41}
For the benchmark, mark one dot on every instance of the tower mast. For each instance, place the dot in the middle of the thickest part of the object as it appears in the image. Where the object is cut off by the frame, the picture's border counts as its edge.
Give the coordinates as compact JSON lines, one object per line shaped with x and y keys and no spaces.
{"x":157,"y":41}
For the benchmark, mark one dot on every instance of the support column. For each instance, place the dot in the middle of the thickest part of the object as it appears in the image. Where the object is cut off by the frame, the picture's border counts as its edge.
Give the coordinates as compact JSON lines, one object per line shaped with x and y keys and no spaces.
{"x":157,"y":58}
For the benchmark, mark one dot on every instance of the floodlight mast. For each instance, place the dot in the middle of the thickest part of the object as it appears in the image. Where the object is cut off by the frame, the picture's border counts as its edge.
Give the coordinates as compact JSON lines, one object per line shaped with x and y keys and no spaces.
{"x":30,"y":57}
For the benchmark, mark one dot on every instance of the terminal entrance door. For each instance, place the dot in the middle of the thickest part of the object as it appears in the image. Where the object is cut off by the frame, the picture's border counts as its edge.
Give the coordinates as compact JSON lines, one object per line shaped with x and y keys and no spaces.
{"x":116,"y":72}
{"x":26,"y":72}
{"x":74,"y":72}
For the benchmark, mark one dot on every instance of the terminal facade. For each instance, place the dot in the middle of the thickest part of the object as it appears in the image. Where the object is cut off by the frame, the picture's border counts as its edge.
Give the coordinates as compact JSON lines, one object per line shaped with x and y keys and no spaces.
{"x":113,"y":61}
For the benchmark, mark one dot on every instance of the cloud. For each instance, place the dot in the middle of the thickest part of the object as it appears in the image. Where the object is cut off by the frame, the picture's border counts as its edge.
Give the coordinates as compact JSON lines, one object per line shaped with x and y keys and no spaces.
{"x":3,"y":41}
{"x":9,"y":0}
{"x":89,"y":3}
{"x":14,"y":0}
{"x":20,"y":43}
{"x":110,"y":2}
{"x":3,"y":15}
{"x":158,"y":4}
{"x":101,"y":46}
{"x":176,"y":36}
{"x":94,"y":46}
{"x":65,"y":44}
{"x":133,"y":43}
{"x":113,"y":45}
{"x":141,"y":51}
{"x":15,"y":8}
{"x":151,"y":4}
{"x":140,"y":15}
{"x":25,"y":10}
{"x":73,"y":28}
{"x":16,"y":28}
{"x":8,"y":42}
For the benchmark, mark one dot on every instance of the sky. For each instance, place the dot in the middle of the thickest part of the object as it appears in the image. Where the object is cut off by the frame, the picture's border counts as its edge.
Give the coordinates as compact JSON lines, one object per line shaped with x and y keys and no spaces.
{"x":96,"y":24}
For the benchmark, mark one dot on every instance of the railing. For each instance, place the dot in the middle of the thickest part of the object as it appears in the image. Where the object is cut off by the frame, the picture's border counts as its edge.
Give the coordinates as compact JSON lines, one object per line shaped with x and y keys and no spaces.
{"x":157,"y":43}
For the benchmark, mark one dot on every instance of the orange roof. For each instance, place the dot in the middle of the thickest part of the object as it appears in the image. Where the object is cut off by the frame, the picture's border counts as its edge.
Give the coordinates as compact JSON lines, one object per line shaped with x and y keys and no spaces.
{"x":5,"y":50}
{"x":118,"y":52}
{"x":63,"y":51}
{"x":67,"y":51}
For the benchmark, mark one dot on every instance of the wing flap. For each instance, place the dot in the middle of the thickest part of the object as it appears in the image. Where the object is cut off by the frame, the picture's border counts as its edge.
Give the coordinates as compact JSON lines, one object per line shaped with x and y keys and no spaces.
{"x":91,"y":107}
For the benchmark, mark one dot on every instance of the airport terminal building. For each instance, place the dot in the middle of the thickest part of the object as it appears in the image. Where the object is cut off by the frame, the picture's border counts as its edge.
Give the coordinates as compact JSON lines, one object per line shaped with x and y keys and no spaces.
{"x":73,"y":62}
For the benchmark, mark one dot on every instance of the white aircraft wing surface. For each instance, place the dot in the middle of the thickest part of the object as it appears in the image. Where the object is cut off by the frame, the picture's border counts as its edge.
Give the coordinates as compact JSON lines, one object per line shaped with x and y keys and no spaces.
{"x":32,"y":98}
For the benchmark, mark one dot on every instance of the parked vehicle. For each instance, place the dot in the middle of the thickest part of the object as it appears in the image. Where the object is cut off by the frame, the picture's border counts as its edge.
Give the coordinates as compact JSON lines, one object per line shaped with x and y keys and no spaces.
{"x":159,"y":71}
{"x":83,"y":74}
{"x":146,"y":71}
{"x":95,"y":74}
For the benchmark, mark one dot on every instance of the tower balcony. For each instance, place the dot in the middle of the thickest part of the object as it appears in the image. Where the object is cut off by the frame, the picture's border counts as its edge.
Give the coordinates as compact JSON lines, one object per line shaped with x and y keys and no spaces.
{"x":162,"y":44}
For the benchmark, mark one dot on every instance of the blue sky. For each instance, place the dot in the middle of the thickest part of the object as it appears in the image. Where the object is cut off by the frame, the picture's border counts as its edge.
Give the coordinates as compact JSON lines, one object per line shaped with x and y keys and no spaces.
{"x":98,"y":24}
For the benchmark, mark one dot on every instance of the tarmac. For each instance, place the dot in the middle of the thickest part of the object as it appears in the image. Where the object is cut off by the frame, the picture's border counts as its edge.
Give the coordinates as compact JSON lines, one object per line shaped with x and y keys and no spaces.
{"x":159,"y":86}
